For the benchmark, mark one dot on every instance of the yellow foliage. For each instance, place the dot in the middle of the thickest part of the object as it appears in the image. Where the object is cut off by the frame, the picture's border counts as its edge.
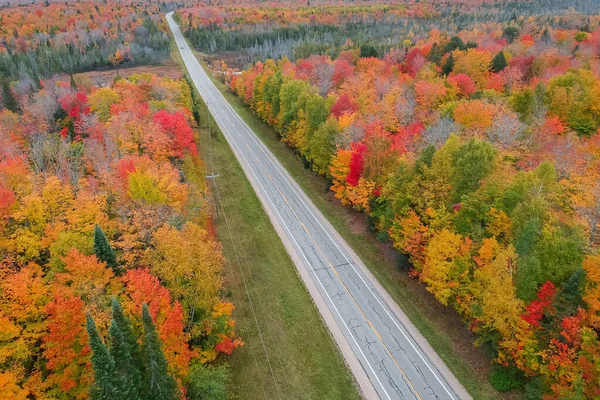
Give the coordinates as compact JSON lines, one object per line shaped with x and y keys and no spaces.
{"x":9,"y":388}
{"x":189,"y":261}
{"x":100,"y":101}
{"x":475,"y":63}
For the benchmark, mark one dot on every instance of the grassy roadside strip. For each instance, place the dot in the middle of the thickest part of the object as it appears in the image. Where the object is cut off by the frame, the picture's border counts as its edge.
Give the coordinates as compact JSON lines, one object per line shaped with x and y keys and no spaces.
{"x":293,"y":356}
{"x":385,"y":270}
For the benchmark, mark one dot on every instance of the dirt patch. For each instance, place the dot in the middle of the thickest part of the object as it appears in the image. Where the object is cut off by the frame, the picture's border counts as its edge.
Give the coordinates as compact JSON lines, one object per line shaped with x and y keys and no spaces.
{"x":103,"y":78}
{"x":234,"y":59}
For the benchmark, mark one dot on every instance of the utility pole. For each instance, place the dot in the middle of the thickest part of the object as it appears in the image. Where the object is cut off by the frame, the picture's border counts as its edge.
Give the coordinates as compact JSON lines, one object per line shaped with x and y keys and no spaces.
{"x":212,"y":176}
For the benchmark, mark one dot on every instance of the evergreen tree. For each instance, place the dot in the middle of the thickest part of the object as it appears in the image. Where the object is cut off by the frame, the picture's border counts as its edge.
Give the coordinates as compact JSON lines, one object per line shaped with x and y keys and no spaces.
{"x":73,"y":83}
{"x":8,"y":97}
{"x":368,"y":50}
{"x":161,"y":386}
{"x":107,"y":384}
{"x":511,"y":34}
{"x":104,"y":251}
{"x":448,"y":65}
{"x":126,"y":352}
{"x":435,"y":54}
{"x":499,"y":62}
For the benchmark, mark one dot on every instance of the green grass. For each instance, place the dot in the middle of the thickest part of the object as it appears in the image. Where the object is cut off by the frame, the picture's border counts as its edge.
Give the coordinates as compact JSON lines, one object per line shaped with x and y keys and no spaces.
{"x":293,"y":356}
{"x":365,"y":246}
{"x":303,"y":357}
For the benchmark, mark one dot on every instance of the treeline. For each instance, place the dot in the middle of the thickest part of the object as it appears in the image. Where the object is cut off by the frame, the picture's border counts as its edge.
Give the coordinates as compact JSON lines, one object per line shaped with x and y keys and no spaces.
{"x":281,"y":31}
{"x":477,"y":156}
{"x":37,"y":41}
{"x":110,"y":272}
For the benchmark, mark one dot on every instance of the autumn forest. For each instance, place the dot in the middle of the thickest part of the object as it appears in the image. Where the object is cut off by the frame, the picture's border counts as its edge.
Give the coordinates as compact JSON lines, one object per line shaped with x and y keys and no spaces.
{"x":465,"y":133}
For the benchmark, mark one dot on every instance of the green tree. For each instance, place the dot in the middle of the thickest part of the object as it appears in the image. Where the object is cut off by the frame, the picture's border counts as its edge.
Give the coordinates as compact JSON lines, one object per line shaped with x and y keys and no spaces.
{"x":368,"y":50}
{"x":435,"y":54}
{"x":511,"y":33}
{"x":448,"y":65}
{"x":161,"y":386}
{"x":472,"y":162}
{"x":125,"y":352}
{"x":104,"y":252}
{"x":8,"y":97}
{"x":498,"y":62}
{"x":205,"y":383}
{"x":108,"y":385}
{"x":321,"y":146}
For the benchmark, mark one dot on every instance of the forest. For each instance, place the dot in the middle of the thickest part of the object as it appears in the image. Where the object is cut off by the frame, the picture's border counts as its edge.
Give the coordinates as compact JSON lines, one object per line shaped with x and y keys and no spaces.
{"x":472,"y":147}
{"x":38,"y":41}
{"x":106,"y":234}
{"x":466,"y":132}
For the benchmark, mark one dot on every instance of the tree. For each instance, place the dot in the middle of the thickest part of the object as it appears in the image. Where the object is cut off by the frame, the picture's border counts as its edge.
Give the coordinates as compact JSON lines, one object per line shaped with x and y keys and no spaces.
{"x":475,"y":63}
{"x":108,"y":384}
{"x":206,"y":383}
{"x":472,"y":162}
{"x":498,"y":62}
{"x":125,"y":352}
{"x":104,"y":252}
{"x":368,"y":50}
{"x":8,"y":97}
{"x":66,"y":347}
{"x":161,"y":386}
{"x":448,"y":65}
{"x":101,"y":100}
{"x":510,"y":33}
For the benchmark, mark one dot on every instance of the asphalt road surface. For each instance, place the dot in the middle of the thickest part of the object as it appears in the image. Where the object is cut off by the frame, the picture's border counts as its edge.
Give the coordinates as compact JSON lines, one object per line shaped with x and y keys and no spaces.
{"x":387,"y":355}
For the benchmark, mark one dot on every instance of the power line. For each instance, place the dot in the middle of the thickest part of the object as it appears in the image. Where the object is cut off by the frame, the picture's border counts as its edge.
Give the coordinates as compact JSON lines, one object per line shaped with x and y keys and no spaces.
{"x":218,"y":203}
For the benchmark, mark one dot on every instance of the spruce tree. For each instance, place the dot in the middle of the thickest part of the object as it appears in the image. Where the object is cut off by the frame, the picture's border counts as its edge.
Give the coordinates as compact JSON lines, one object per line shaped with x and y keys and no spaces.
{"x":8,"y":97}
{"x":126,"y":352}
{"x":104,"y":251}
{"x":161,"y":386}
{"x":107,"y":384}
{"x":498,"y":62}
{"x":448,"y":65}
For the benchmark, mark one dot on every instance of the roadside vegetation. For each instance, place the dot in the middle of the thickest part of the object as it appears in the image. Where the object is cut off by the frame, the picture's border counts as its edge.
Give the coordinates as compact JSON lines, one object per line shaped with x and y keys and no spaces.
{"x":470,"y":149}
{"x":288,"y":351}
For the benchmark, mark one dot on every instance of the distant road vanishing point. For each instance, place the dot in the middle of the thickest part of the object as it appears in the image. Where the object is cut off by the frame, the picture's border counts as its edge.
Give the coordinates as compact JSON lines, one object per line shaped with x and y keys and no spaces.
{"x":387,"y":355}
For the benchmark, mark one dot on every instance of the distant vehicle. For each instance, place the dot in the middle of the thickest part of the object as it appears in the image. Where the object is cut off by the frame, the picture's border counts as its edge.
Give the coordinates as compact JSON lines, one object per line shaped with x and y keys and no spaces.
{"x":181,"y":47}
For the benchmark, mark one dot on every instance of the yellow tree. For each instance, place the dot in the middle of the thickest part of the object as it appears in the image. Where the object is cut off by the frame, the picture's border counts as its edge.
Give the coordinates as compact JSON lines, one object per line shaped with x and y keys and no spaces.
{"x":474,"y":63}
{"x":493,"y":290}
{"x":446,"y":265}
{"x":100,"y":101}
{"x":189,"y":261}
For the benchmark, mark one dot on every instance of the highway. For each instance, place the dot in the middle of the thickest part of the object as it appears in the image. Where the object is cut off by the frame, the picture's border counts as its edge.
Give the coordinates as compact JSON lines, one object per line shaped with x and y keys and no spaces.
{"x":386,"y":354}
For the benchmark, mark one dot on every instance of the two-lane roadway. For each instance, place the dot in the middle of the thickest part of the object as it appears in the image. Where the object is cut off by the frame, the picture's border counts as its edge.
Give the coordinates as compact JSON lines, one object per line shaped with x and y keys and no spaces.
{"x":388,"y":357}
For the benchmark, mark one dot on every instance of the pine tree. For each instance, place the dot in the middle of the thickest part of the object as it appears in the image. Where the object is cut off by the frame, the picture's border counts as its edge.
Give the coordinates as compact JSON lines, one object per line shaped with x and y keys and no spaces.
{"x":448,"y":65}
{"x":107,"y":384}
{"x":161,"y":386}
{"x":73,"y":83}
{"x":8,"y":97}
{"x":498,"y":62}
{"x":104,"y":251}
{"x":435,"y":54}
{"x":126,"y":352}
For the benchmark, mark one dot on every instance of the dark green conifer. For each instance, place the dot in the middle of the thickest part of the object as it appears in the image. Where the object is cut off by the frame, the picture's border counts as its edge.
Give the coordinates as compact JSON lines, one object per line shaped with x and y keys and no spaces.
{"x":104,"y":251}
{"x":8,"y":97}
{"x":498,"y":62}
{"x":126,"y":351}
{"x":448,"y":65}
{"x":107,"y":384}
{"x":161,"y":386}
